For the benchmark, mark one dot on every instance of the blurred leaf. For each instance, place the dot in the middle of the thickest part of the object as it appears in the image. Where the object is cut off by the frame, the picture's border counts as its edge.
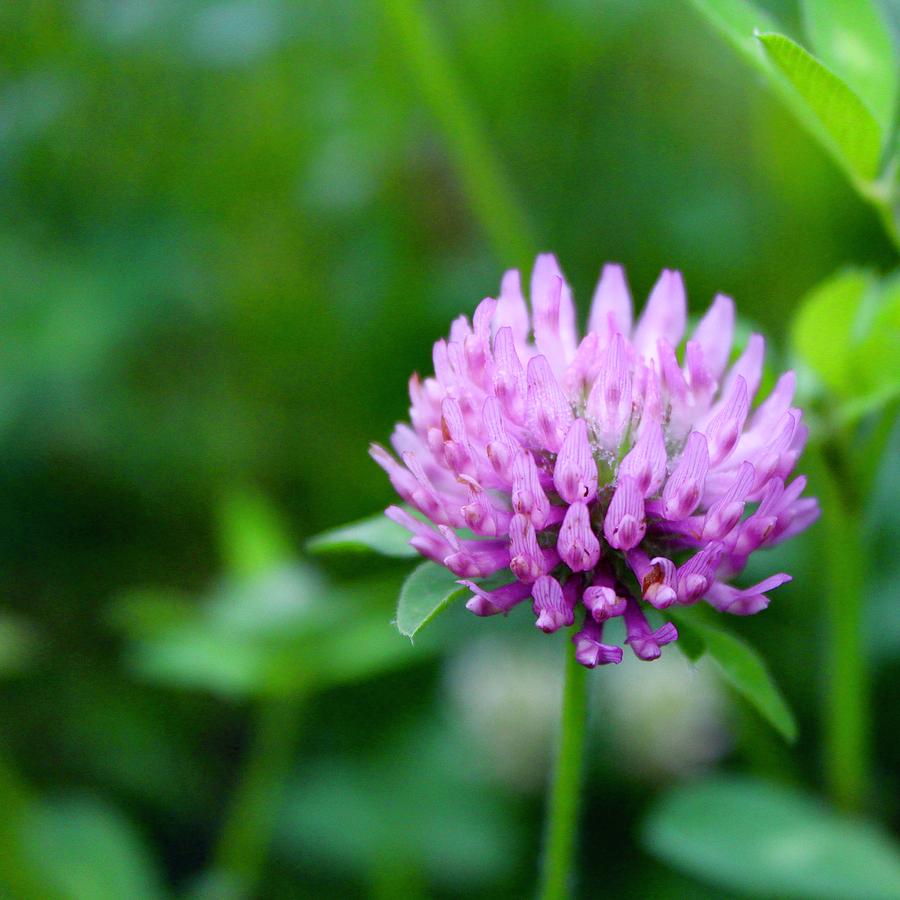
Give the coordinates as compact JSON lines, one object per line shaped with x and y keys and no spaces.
{"x":847,"y":331}
{"x":690,"y":643}
{"x":17,"y":642}
{"x":195,"y":656}
{"x":877,"y":356}
{"x":376,"y":533}
{"x":747,"y":673}
{"x":418,"y":799}
{"x":283,"y":632}
{"x":17,"y":879}
{"x":215,"y":884}
{"x":83,"y":849}
{"x":852,"y":132}
{"x":363,"y":647}
{"x":823,"y":327}
{"x":428,"y":590}
{"x":143,"y":612}
{"x":752,"y":837}
{"x":853,"y":40}
{"x":738,"y":21}
{"x":290,"y":598}
{"x":136,"y":741}
{"x":252,"y":533}
{"x":740,"y":664}
{"x":829,"y":109}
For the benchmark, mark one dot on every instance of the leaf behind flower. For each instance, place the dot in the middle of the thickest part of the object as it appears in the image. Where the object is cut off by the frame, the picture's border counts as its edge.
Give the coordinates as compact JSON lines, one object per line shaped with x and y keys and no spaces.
{"x":848,"y":129}
{"x":376,"y":533}
{"x":428,"y":590}
{"x":738,"y":663}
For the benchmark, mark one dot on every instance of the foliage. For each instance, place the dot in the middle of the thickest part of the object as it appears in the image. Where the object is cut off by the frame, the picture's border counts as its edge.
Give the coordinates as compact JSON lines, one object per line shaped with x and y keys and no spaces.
{"x":738,"y":663}
{"x":427,"y":591}
{"x":761,"y":839}
{"x":847,"y":331}
{"x":376,"y":533}
{"x":846,"y":98}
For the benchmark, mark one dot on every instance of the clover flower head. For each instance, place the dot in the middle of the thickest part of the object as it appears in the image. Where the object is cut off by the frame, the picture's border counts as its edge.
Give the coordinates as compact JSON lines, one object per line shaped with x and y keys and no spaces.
{"x":609,"y":474}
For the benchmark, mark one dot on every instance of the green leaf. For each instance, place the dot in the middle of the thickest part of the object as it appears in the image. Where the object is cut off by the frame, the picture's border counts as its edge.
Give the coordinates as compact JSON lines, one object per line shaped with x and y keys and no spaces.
{"x":740,"y":665}
{"x":17,"y":878}
{"x":853,"y":40}
{"x":376,"y":533}
{"x":285,"y":632}
{"x":436,"y":814}
{"x":428,"y":590}
{"x":17,"y":643}
{"x":365,"y":647}
{"x":749,"y":836}
{"x":146,"y":612}
{"x":83,"y":849}
{"x":747,"y":673}
{"x":823,"y":328}
{"x":253,"y":535}
{"x":690,"y":642}
{"x":847,"y":332}
{"x":847,"y":127}
{"x":827,"y":108}
{"x":738,"y":21}
{"x":877,"y":355}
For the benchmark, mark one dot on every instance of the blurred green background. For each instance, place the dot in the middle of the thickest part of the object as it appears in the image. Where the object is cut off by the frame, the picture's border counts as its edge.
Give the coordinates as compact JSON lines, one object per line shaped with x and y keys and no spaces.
{"x":229,"y":233}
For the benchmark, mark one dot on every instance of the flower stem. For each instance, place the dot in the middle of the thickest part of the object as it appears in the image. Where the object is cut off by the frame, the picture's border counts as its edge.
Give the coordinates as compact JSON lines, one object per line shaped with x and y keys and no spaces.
{"x":846,"y":711}
{"x":17,"y":872}
{"x":565,"y":793}
{"x":245,"y":838}
{"x":483,"y":179}
{"x":889,"y":221}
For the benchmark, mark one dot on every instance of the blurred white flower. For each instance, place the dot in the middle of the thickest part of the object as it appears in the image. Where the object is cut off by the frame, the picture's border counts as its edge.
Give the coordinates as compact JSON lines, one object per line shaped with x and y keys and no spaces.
{"x":506,"y":697}
{"x":658,"y":721}
{"x":669,"y":718}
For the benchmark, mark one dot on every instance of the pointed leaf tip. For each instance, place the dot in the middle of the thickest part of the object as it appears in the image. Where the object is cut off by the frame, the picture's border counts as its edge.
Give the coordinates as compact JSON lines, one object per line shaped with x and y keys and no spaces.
{"x":837,"y":116}
{"x":428,"y":590}
{"x":376,"y":534}
{"x":740,"y":665}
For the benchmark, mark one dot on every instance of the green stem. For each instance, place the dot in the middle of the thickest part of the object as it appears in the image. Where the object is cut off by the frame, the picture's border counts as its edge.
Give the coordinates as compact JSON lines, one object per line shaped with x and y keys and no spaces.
{"x":490,"y":194}
{"x":18,"y":875}
{"x":871,"y":449}
{"x":846,"y":710}
{"x":885,"y":197}
{"x":889,"y":222}
{"x":246,"y":835}
{"x":562,"y":815}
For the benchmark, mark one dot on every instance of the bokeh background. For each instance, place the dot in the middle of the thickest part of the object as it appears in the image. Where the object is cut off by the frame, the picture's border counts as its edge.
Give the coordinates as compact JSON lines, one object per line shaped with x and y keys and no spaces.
{"x":229,"y":231}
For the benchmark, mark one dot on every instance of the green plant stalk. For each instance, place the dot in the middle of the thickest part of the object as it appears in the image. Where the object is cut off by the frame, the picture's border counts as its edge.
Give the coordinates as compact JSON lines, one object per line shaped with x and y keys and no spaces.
{"x":17,"y":875}
{"x":872,"y":448}
{"x":888,"y":218}
{"x":884,"y":194}
{"x":489,"y":192}
{"x":247,"y":832}
{"x":565,"y":793}
{"x":846,"y":708}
